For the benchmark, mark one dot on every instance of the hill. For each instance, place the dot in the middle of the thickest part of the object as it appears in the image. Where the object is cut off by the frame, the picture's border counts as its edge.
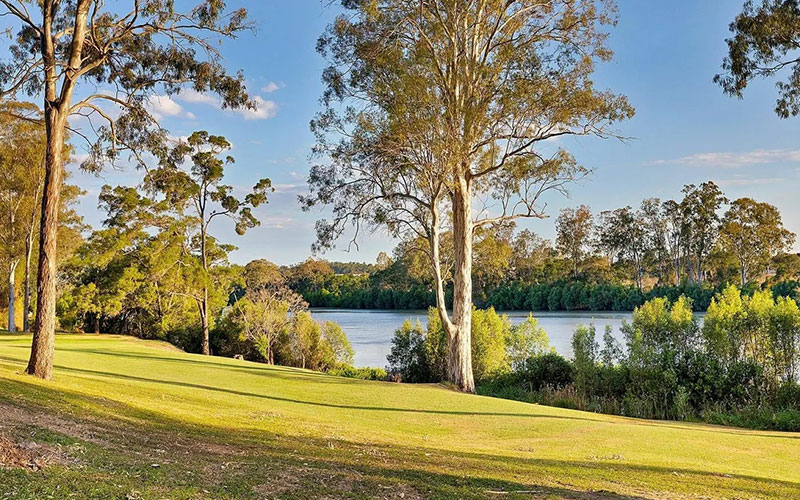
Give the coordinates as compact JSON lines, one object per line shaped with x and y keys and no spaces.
{"x":132,"y":419}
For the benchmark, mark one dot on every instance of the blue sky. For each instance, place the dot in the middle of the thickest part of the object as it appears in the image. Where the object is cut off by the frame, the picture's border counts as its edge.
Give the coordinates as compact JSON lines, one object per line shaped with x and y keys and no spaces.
{"x":667,"y":52}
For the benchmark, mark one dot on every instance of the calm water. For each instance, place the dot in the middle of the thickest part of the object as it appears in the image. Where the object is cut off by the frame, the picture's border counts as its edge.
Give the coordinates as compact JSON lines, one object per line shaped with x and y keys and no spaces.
{"x":371,"y":331}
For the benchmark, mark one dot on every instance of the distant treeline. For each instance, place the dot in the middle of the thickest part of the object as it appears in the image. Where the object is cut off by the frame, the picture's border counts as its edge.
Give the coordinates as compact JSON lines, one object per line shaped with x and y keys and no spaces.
{"x":352,"y":292}
{"x":612,"y":261}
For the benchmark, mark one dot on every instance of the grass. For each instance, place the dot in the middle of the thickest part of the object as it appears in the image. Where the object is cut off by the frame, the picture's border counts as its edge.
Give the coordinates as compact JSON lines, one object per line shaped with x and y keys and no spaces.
{"x":131,"y":419}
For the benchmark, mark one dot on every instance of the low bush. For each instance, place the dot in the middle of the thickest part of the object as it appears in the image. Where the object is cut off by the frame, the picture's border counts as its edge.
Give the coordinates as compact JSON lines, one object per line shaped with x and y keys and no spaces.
{"x":367,"y":373}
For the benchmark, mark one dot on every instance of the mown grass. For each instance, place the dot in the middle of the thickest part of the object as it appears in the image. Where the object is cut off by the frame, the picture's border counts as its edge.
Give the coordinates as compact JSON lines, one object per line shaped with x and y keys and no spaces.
{"x":134,"y":419}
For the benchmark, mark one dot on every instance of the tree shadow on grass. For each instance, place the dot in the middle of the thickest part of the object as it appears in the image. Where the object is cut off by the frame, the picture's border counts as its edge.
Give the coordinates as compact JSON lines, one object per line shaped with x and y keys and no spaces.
{"x":325,"y":467}
{"x":289,"y":373}
{"x":134,"y":378}
{"x":228,"y":364}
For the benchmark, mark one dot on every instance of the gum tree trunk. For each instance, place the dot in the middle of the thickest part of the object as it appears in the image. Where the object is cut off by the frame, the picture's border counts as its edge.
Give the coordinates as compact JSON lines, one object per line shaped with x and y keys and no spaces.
{"x":43,"y":345}
{"x":12,"y":295}
{"x":460,"y":338}
{"x":204,"y":300}
{"x":26,"y":326}
{"x":31,"y":231}
{"x":56,"y":108}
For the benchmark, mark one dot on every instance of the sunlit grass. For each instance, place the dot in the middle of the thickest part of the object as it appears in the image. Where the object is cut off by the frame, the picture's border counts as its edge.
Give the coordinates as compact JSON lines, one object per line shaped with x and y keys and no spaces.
{"x":430,"y":440}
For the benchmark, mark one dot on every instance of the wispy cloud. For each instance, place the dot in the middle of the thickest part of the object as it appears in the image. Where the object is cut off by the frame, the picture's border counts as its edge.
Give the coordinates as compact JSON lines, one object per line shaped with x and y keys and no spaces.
{"x":750,"y":182}
{"x":734,"y":160}
{"x":289,"y":188}
{"x":263,"y":110}
{"x":277,"y":222}
{"x":272,"y":87}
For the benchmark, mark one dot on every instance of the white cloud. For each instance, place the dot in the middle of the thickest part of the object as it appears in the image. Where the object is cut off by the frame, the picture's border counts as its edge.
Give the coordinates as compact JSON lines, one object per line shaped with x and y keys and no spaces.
{"x":277,"y":222}
{"x":734,"y":160}
{"x":193,"y":96}
{"x":264,"y":109}
{"x":162,"y":105}
{"x":289,"y":188}
{"x":271,"y":87}
{"x":190,"y":115}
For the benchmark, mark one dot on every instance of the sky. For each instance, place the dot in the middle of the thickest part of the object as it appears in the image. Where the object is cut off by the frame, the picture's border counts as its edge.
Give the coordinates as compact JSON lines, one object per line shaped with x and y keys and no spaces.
{"x":666,"y":54}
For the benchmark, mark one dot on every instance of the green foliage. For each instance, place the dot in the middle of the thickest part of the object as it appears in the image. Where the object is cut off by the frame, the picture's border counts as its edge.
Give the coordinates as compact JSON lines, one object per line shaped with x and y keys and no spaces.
{"x":765,"y":37}
{"x":547,"y":370}
{"x":490,"y":334}
{"x":408,"y":356}
{"x":660,"y":329}
{"x":316,"y":347}
{"x":670,"y":370}
{"x":420,"y":355}
{"x":348,"y":371}
{"x":525,"y":341}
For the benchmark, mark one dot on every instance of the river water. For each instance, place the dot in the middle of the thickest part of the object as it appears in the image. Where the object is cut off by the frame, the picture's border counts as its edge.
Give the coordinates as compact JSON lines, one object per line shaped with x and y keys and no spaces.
{"x":370,"y":331}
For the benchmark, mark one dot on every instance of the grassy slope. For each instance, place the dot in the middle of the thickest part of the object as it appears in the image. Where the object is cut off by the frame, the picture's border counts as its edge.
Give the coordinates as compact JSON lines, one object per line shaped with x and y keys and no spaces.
{"x":222,"y":428}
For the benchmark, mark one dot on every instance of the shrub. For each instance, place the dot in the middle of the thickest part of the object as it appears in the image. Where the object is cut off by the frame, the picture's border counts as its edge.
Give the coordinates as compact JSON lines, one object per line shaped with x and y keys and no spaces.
{"x":550,"y":370}
{"x":788,"y":396}
{"x":359,"y":373}
{"x":525,"y":341}
{"x":408,"y":356}
{"x":489,"y":334}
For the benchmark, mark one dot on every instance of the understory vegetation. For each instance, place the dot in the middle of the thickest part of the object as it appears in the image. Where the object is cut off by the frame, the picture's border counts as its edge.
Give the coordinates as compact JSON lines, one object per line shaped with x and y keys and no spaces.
{"x":739,"y":369}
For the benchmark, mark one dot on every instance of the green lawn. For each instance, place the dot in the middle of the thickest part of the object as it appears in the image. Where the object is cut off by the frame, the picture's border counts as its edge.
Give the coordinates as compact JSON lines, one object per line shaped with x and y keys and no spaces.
{"x":130,"y":419}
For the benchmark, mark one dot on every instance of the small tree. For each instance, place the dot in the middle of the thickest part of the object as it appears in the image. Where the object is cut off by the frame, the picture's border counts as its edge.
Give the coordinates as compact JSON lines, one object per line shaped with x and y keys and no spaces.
{"x":262,"y":274}
{"x":700,"y":207}
{"x":754,"y":233}
{"x":574,"y":231}
{"x":197,"y":189}
{"x":21,"y":160}
{"x":622,"y":234}
{"x":266,"y":315}
{"x":525,"y":341}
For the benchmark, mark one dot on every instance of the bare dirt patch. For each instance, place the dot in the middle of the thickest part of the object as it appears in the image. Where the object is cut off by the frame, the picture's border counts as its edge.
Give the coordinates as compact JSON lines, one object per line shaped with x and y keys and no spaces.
{"x":15,"y":417}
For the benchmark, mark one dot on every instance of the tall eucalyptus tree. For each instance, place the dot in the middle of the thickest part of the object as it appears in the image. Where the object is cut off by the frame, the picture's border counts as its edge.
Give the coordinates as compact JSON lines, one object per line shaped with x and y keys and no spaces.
{"x":81,"y":57}
{"x":433,"y":105}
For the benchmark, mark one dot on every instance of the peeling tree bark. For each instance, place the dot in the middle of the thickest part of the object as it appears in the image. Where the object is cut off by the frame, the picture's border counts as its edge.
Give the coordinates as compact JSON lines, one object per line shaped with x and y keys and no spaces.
{"x":460,"y":338}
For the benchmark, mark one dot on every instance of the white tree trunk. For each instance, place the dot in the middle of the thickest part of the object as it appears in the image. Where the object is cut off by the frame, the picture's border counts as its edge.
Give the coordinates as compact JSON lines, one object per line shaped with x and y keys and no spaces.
{"x":460,"y":337}
{"x":12,"y":295}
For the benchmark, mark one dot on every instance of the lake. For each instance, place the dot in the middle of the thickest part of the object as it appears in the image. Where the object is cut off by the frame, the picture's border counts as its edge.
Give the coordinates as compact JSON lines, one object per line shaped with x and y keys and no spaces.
{"x":370,"y":331}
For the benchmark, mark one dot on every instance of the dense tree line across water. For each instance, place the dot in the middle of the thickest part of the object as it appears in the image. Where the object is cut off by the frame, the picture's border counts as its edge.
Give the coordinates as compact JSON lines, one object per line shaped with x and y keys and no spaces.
{"x":612,"y":261}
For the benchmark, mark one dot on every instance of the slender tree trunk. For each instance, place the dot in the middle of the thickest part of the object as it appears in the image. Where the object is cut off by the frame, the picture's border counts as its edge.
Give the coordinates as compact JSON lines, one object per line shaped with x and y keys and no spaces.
{"x":436,"y":263}
{"x":206,"y":348}
{"x":56,"y":109}
{"x":460,"y":338}
{"x":26,"y":326}
{"x":12,"y":295}
{"x":26,"y":321}
{"x":96,"y":323}
{"x":699,"y":269}
{"x":43,"y":345}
